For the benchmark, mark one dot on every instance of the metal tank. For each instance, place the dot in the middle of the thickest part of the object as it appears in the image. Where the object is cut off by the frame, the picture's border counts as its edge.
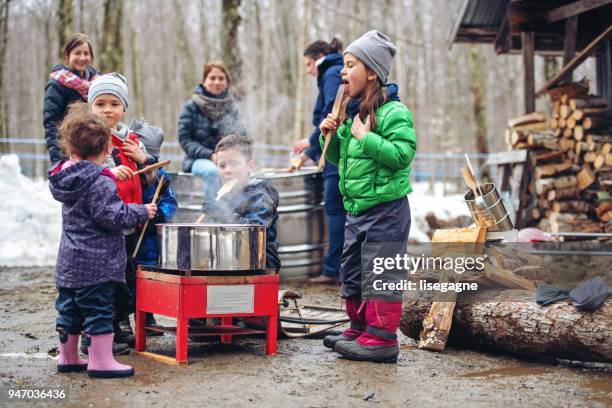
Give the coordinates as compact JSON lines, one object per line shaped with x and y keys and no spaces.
{"x":302,"y":228}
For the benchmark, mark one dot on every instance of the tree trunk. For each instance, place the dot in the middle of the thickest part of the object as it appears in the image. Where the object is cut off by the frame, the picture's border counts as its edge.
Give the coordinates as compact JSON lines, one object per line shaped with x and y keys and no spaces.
{"x":65,"y":16}
{"x":231,"y":46}
{"x":4,"y":16}
{"x":477,"y":88}
{"x":510,"y":321}
{"x":189,"y":76}
{"x":136,"y":82}
{"x":111,"y":55}
{"x":298,"y":118}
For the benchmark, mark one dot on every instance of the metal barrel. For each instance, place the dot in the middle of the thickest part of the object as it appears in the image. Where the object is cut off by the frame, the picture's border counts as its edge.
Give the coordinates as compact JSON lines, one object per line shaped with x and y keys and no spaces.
{"x":488,"y":210}
{"x":302,"y":227}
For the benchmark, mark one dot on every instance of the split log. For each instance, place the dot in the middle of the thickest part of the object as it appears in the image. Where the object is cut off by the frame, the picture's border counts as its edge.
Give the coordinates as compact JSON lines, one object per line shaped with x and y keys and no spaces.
{"x":510,"y":321}
{"x":568,"y":132}
{"x":564,"y":194}
{"x":594,"y":138}
{"x":527,"y":119}
{"x":599,"y":161}
{"x":572,"y":206}
{"x":543,"y":139}
{"x":554,"y":123}
{"x":542,"y":186}
{"x":581,"y":147}
{"x":608,"y":160}
{"x":565,"y":111}
{"x":571,"y":124}
{"x":552,"y":169}
{"x":585,"y":177}
{"x":562,"y":122}
{"x":532,"y":127}
{"x":604,"y":211}
{"x":567,"y":144}
{"x":578,"y":132}
{"x":590,"y":157}
{"x":517,"y":137}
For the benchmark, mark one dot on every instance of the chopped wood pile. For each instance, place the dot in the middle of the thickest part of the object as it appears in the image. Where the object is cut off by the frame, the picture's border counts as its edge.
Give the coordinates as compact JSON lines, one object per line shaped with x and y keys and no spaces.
{"x":571,"y":158}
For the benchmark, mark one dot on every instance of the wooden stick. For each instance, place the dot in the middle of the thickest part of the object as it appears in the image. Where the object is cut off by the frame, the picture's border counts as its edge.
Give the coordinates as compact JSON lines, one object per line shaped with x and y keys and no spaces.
{"x":473,"y":174}
{"x":144,"y":228}
{"x":153,"y":167}
{"x":335,"y":113}
{"x":200,"y":218}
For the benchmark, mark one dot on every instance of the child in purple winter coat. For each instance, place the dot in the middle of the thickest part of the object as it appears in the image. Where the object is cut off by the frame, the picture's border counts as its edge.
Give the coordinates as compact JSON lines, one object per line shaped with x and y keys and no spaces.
{"x":91,"y":259}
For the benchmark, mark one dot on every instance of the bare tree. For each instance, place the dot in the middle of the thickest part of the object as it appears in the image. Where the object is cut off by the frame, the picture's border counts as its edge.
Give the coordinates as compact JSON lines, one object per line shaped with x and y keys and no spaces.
{"x":477,"y":88}
{"x":65,"y":16}
{"x":4,"y":16}
{"x":231,"y":47}
{"x":182,"y":45}
{"x":298,"y":120}
{"x":111,"y":55}
{"x":136,"y":82}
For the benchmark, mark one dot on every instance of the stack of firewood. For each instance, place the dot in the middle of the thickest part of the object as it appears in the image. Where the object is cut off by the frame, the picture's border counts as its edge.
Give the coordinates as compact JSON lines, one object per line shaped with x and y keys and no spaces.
{"x":571,"y":158}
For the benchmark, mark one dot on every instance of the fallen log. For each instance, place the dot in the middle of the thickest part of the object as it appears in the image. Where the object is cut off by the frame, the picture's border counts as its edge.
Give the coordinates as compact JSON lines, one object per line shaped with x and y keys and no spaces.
{"x":509,"y":321}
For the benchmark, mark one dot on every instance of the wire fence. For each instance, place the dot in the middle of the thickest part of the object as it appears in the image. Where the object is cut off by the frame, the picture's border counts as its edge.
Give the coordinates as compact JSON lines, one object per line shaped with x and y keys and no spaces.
{"x":427,"y":166}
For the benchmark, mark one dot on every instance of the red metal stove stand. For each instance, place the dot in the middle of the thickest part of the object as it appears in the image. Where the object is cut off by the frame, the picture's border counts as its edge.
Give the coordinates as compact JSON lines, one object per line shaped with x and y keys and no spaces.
{"x":186,"y":297}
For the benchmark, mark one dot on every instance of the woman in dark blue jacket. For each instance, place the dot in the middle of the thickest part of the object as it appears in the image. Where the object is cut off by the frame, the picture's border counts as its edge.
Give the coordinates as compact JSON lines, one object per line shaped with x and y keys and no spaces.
{"x":324,"y":62}
{"x":208,"y":116}
{"x":67,"y":84}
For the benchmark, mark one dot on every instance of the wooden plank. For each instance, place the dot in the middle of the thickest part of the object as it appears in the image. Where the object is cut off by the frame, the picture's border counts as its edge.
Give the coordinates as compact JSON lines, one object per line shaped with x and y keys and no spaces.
{"x":569,"y":43}
{"x":437,"y":324}
{"x":527,"y":42}
{"x":577,"y":60}
{"x":574,"y":9}
{"x":513,"y":156}
{"x":159,"y":358}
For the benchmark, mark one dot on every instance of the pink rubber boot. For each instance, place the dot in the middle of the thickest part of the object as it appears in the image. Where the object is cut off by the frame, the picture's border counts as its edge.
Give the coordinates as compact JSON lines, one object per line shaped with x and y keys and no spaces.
{"x":69,"y":360}
{"x":102,"y":364}
{"x":356,"y":312}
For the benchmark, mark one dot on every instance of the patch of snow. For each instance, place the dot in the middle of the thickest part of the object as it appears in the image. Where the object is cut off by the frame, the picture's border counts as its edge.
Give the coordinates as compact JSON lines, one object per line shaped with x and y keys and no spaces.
{"x":424,"y":200}
{"x":31,"y":218}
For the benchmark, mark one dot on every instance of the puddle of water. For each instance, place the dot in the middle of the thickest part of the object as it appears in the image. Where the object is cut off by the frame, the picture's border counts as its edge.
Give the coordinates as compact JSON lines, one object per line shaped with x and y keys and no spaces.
{"x":512,"y":371}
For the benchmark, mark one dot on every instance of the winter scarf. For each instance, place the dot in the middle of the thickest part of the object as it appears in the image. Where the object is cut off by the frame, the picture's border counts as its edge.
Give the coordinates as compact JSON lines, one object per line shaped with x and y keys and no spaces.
{"x":71,"y":80}
{"x":213,"y":106}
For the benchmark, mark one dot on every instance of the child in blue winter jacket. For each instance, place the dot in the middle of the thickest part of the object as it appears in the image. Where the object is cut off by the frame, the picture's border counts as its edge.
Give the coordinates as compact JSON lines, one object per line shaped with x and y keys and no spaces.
{"x":92,"y":258}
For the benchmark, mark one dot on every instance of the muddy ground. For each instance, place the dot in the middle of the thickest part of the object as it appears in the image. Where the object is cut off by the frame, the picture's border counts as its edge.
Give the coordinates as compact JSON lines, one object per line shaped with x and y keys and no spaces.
{"x":304,"y":373}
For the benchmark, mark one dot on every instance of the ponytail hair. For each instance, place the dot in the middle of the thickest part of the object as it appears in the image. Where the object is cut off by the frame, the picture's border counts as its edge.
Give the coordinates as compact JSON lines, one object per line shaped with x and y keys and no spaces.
{"x":319,"y":47}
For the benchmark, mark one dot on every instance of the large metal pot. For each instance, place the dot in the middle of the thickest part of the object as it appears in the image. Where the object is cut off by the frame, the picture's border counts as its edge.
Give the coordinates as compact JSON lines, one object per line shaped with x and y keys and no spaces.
{"x":212,"y":247}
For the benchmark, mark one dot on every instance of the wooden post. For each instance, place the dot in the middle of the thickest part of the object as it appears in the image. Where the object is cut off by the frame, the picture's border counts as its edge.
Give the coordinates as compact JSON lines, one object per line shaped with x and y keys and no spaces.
{"x":569,"y":43}
{"x":527,"y":42}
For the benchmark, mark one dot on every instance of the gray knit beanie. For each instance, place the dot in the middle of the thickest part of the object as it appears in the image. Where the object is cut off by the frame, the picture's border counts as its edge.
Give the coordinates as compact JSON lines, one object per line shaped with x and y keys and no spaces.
{"x":151,"y":136}
{"x":376,"y":51}
{"x":113,"y":84}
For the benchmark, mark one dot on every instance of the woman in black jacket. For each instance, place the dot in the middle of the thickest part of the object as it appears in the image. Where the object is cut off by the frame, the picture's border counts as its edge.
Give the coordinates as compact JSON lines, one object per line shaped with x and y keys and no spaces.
{"x":208,"y":116}
{"x":67,"y":83}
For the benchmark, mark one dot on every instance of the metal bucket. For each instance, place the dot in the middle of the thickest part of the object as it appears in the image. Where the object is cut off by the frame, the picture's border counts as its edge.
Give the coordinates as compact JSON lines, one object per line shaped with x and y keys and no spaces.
{"x":488,"y":210}
{"x":301,"y":226}
{"x":212,"y":247}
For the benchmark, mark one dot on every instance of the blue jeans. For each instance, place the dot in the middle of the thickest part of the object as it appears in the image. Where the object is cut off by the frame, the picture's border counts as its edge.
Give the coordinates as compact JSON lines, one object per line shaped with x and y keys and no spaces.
{"x":336,"y":218}
{"x":210,"y":173}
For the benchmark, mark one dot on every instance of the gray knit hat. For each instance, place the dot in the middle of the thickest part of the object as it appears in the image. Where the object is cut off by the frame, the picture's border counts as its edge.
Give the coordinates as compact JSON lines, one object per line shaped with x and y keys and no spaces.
{"x":151,"y":136}
{"x":376,"y":51}
{"x":113,"y":84}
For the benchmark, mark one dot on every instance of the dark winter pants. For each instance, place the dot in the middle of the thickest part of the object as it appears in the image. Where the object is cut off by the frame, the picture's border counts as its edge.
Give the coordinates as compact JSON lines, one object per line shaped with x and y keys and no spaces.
{"x":89,"y":309}
{"x":385,"y":223}
{"x":336,"y":218}
{"x":125,"y":299}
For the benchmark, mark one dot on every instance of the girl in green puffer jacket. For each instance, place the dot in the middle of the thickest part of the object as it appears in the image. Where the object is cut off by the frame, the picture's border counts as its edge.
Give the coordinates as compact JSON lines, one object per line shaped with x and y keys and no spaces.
{"x":373,"y":147}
